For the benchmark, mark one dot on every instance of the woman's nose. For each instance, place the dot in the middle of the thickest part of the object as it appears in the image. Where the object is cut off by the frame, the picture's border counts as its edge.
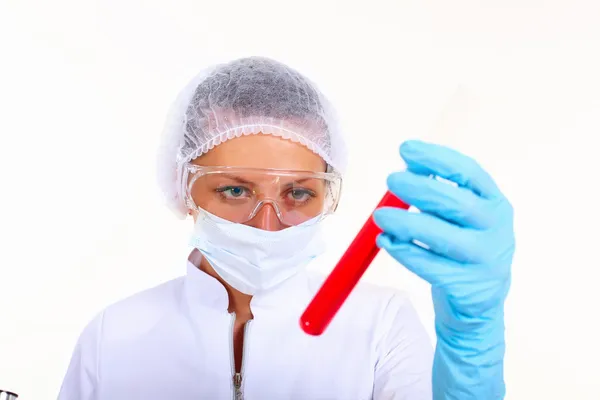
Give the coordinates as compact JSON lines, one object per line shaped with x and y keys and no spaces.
{"x":266,"y":219}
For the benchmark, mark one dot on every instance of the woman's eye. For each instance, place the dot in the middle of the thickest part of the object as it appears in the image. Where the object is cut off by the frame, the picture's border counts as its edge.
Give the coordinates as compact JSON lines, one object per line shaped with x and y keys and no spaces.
{"x":233,"y":191}
{"x":300,"y":194}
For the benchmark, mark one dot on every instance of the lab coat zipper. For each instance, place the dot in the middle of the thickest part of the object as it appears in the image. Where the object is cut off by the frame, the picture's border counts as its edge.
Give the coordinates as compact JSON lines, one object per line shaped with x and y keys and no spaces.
{"x":237,"y":377}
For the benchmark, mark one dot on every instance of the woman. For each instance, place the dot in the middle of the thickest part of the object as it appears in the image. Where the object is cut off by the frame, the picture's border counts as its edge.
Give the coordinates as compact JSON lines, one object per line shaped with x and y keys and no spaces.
{"x":253,"y":154}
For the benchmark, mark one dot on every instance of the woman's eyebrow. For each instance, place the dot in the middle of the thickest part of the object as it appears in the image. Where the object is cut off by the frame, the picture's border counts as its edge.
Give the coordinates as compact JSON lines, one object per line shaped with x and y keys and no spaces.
{"x":237,"y":179}
{"x":243,"y":181}
{"x":299,"y":181}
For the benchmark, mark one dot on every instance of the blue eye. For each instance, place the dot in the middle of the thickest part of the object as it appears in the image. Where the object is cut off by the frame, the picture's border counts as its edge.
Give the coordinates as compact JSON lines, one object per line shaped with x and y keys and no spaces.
{"x":232,"y":192}
{"x":300,"y":195}
{"x":236,"y":191}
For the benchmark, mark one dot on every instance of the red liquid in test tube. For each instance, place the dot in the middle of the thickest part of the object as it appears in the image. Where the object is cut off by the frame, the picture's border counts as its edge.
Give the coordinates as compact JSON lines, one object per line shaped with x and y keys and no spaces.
{"x":346,"y":274}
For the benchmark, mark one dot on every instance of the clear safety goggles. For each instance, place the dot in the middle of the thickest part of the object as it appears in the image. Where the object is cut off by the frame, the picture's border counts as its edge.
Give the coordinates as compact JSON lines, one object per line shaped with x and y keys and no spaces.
{"x":237,"y":194}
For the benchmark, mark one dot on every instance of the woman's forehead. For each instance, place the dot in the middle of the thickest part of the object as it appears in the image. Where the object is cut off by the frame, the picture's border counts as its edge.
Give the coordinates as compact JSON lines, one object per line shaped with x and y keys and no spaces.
{"x":262,"y":151}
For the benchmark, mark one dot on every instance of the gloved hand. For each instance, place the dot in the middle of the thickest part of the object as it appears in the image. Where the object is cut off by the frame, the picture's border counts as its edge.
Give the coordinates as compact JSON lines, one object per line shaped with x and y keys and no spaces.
{"x":468,"y":232}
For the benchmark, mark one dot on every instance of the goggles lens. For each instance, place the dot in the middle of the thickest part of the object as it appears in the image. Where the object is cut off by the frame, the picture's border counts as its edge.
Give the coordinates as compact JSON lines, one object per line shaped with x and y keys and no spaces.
{"x":238,"y":194}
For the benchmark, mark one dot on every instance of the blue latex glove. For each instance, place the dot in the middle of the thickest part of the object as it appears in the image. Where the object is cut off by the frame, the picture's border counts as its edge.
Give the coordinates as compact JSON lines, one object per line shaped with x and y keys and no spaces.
{"x":469,"y":232}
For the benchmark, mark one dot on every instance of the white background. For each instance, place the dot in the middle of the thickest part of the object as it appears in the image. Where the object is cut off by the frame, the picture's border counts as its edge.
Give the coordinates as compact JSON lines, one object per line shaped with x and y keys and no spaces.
{"x":84,"y":89}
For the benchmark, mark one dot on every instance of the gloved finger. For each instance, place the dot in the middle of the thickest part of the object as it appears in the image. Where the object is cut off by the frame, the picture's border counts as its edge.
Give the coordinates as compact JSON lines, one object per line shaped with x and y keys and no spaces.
{"x":433,"y":268}
{"x":454,"y":204}
{"x":432,"y":159}
{"x":440,"y":236}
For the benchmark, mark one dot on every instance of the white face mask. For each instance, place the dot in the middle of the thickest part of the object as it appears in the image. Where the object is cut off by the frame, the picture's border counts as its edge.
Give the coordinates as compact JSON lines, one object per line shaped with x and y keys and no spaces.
{"x":252,"y":259}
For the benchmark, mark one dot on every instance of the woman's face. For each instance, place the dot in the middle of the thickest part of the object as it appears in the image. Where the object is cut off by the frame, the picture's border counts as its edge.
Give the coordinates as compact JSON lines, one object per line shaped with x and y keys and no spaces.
{"x":265,"y":152}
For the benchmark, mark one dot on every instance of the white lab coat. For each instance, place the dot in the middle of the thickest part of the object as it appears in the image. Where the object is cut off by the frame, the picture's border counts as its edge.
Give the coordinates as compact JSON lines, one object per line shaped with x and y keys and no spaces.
{"x":174,"y":342}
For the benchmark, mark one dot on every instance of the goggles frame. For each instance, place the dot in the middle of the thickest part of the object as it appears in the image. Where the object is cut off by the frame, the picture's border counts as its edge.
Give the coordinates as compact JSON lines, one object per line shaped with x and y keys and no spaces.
{"x":196,"y":171}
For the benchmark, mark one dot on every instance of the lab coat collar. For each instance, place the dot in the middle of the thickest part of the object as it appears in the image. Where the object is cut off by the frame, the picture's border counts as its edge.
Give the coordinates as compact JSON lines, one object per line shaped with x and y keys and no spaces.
{"x":203,"y":290}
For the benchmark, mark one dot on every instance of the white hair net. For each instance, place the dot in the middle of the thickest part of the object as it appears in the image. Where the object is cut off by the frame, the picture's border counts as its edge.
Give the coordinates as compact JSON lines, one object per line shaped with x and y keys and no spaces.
{"x":244,"y":97}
